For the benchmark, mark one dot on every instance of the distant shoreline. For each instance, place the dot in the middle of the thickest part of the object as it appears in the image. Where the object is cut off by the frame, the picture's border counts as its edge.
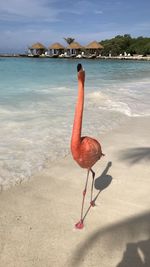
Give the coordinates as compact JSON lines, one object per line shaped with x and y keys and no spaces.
{"x":138,"y":57}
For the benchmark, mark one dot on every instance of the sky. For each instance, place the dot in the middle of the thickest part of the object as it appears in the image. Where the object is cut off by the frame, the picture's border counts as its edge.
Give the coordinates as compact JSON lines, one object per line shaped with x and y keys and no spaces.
{"x":24,"y":22}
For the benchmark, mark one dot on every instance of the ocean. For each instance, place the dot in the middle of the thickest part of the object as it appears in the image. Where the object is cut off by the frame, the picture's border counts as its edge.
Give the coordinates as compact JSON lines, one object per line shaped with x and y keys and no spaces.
{"x":37,"y":102}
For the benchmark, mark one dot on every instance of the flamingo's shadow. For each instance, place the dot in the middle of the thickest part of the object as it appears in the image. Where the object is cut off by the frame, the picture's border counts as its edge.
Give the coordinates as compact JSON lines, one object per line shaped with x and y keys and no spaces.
{"x":103,"y":181}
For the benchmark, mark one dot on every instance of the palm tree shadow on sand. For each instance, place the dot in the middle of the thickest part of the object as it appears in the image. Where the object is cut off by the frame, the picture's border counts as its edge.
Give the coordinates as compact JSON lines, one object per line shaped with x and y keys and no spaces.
{"x":133,"y":232}
{"x":137,"y":253}
{"x":101,"y":183}
{"x":135,"y":155}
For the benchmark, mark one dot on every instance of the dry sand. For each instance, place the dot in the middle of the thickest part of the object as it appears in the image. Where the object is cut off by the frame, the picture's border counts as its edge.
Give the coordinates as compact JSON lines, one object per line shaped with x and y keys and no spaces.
{"x":37,"y":218}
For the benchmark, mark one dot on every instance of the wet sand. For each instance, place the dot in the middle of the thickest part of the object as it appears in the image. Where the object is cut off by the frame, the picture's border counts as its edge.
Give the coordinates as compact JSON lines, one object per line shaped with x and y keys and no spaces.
{"x":37,"y":217}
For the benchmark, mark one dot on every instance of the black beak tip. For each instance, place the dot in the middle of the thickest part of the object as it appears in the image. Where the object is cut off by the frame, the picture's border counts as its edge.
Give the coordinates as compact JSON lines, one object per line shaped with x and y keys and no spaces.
{"x":79,"y":67}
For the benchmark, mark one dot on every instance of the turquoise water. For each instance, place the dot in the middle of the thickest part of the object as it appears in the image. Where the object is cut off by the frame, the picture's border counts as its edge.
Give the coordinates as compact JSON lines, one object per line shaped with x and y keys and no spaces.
{"x":37,"y":100}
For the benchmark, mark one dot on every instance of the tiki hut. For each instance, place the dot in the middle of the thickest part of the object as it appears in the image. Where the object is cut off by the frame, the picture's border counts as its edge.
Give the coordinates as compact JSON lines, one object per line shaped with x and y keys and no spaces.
{"x":94,"y":48}
{"x":56,"y":49}
{"x":37,"y":49}
{"x":74,"y":48}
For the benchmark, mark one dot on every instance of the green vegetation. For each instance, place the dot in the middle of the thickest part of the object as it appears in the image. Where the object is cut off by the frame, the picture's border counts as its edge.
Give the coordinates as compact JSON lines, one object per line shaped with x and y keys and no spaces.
{"x":69,"y":40}
{"x":120,"y":44}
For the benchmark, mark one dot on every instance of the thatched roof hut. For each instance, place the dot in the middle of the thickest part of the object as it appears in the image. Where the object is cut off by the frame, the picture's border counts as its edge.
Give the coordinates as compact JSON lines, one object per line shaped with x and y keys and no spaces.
{"x":94,"y":48}
{"x":37,"y":49}
{"x":38,"y":46}
{"x":74,"y":48}
{"x":56,"y":46}
{"x":74,"y":45}
{"x":94,"y":45}
{"x":56,"y":49}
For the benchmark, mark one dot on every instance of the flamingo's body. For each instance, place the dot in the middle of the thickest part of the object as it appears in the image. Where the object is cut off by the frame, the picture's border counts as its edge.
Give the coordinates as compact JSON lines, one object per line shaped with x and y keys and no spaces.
{"x":86,"y":151}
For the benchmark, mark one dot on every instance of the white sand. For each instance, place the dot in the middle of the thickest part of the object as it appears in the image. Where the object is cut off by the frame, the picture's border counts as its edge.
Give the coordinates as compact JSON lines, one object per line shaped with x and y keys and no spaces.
{"x":37,"y":218}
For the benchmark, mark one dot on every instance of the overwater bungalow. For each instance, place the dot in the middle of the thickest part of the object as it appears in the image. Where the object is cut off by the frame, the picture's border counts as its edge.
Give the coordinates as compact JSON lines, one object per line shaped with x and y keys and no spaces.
{"x":37,"y":49}
{"x":74,"y":49}
{"x":94,"y":48}
{"x":56,"y":49}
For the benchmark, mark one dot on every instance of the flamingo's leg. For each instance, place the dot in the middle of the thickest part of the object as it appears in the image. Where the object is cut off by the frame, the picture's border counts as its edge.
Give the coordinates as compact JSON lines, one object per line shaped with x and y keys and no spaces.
{"x":93,"y":176}
{"x":80,"y":224}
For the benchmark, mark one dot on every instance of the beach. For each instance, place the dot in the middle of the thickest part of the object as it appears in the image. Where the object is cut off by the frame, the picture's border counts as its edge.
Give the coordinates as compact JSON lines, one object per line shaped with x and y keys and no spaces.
{"x":74,"y":133}
{"x":38,"y":216}
{"x":41,"y":185}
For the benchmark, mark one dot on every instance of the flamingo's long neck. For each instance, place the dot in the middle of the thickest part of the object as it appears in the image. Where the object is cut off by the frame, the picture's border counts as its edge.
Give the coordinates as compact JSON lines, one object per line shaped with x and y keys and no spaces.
{"x":77,"y":125}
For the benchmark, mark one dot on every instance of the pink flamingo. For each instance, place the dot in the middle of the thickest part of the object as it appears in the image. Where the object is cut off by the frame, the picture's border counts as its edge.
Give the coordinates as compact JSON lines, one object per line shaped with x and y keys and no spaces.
{"x":86,"y":151}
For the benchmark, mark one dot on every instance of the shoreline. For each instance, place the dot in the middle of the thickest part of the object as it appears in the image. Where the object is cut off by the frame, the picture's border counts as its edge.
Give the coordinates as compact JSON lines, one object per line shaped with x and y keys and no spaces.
{"x":105,"y":107}
{"x":38,"y":216}
{"x":139,"y":58}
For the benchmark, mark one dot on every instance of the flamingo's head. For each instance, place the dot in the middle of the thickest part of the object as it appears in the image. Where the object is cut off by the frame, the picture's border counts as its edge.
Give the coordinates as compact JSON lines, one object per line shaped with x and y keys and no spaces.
{"x":81,"y":73}
{"x":79,"y":67}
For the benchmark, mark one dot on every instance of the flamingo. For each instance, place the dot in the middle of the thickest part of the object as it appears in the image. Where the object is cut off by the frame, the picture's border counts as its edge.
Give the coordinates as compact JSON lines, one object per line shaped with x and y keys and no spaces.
{"x":86,"y":151}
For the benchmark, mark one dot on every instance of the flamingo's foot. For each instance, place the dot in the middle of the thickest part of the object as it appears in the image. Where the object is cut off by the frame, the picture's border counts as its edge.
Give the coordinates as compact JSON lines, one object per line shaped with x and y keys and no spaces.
{"x":79,"y":225}
{"x":92,"y":203}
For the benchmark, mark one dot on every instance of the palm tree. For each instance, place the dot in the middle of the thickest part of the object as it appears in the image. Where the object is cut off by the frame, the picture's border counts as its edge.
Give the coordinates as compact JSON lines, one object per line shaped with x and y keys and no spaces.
{"x":69,"y":40}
